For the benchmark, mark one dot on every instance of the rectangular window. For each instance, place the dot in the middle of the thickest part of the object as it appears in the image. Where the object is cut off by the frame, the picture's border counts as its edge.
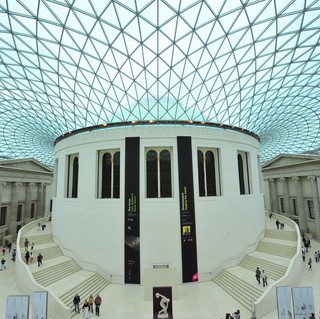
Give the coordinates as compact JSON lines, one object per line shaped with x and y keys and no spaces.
{"x":311,"y":209}
{"x":72,"y":175}
{"x":18,"y":228}
{"x":108,"y":174}
{"x":294,"y":206}
{"x":282,"y":205}
{"x":32,"y":210}
{"x":208,"y":172}
{"x":244,"y":172}
{"x":3,"y":215}
{"x":19,"y":213}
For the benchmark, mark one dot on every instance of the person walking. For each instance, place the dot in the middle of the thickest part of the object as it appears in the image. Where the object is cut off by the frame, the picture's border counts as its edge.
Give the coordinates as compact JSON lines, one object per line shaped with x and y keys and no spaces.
{"x":264,"y":278}
{"x":14,"y":253}
{"x":303,"y":254}
{"x":91,"y":302}
{"x":310,"y":263}
{"x":236,"y":314}
{"x":39,"y":259}
{"x":27,"y":256}
{"x":3,"y":264}
{"x":306,"y":245}
{"x":86,"y":308}
{"x":97,"y":302}
{"x":26,"y":244}
{"x":258,"y":275}
{"x":76,"y":303}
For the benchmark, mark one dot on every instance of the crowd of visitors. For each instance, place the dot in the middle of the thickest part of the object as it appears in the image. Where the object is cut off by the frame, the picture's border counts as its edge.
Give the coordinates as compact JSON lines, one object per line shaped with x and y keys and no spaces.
{"x":87,"y":305}
{"x":6,"y":248}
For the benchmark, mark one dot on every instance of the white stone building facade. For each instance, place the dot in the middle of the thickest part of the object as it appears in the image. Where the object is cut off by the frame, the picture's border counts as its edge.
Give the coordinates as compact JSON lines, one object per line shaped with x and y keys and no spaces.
{"x":25,"y":194}
{"x":292,"y":188}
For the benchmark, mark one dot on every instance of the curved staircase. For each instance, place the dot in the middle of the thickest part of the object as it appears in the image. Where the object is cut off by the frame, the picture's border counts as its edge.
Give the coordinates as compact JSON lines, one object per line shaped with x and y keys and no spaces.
{"x":60,"y":274}
{"x":273,"y":255}
{"x":65,"y":278}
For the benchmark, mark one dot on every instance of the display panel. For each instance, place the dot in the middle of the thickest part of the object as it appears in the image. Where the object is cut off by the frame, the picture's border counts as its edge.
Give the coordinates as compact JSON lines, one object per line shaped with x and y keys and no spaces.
{"x":132,"y":211}
{"x":187,"y":212}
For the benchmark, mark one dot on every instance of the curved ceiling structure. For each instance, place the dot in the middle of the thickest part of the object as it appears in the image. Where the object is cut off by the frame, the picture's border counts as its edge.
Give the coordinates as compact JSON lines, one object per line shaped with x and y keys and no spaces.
{"x":66,"y":65}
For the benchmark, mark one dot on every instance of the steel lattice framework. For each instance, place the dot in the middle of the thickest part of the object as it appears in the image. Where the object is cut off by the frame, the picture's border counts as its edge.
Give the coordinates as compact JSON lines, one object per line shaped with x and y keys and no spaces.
{"x":66,"y":65}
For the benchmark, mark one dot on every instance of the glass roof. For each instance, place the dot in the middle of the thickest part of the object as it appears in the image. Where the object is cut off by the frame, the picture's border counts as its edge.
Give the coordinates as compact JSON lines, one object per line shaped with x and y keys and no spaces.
{"x":70,"y":64}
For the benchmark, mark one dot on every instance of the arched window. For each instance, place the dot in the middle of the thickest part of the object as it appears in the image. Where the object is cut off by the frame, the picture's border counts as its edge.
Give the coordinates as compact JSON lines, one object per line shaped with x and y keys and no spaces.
{"x":109,"y":174}
{"x":211,"y":174}
{"x":165,"y":174}
{"x":152,"y":174}
{"x":208,"y":172}
{"x":158,"y":172}
{"x":241,"y":174}
{"x":73,"y":176}
{"x":116,"y":175}
{"x":106,"y":176}
{"x":243,"y":171}
{"x":202,"y":185}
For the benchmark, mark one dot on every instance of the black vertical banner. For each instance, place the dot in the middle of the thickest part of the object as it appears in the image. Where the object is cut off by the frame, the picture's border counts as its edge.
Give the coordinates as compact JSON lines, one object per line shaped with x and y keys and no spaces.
{"x":187,"y":212}
{"x":132,"y":211}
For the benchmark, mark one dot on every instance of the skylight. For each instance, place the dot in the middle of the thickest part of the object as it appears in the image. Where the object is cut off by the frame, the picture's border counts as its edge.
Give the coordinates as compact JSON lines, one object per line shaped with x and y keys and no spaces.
{"x":66,"y":65}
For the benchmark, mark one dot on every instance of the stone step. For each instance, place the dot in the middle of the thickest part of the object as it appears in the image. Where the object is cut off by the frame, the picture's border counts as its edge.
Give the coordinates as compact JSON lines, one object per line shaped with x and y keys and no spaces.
{"x":47,"y":276}
{"x":276,"y":249}
{"x":237,"y":288}
{"x":273,"y":270}
{"x":47,"y":253}
{"x":92,"y":285}
{"x":281,"y":234}
{"x":61,"y":274}
{"x":48,"y":263}
{"x":37,"y":239}
{"x":240,"y":283}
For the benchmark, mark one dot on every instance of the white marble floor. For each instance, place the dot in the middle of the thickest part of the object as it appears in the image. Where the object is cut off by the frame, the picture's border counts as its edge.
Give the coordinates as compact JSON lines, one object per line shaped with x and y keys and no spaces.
{"x":196,"y":300}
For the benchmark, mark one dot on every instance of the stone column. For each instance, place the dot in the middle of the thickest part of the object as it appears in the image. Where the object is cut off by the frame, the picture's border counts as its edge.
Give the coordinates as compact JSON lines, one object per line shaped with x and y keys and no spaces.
{"x":2,"y":184}
{"x":44,"y":196}
{"x":14,"y":209}
{"x":40,"y":200}
{"x":316,"y":204}
{"x":274,"y":195}
{"x":27,"y":217}
{"x":286,"y":199}
{"x":300,"y":205}
{"x":3,"y":231}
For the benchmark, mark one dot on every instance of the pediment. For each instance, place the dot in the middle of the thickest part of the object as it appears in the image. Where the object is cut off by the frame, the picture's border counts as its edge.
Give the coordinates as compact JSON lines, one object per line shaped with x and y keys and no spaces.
{"x":290,"y":159}
{"x":29,"y":164}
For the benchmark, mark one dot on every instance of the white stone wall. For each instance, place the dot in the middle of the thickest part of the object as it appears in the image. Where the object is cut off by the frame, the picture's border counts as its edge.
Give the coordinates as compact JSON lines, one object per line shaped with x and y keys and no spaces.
{"x":93,"y":229}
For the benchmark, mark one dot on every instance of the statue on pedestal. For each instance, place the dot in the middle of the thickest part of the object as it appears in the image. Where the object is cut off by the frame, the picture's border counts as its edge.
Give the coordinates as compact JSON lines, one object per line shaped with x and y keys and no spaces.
{"x":164,"y":303}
